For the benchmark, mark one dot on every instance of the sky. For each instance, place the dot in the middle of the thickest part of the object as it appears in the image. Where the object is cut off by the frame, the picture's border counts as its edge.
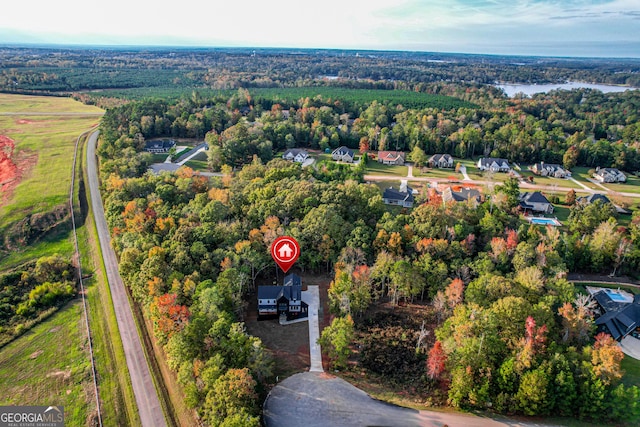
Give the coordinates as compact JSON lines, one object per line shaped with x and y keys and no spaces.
{"x":592,"y":28}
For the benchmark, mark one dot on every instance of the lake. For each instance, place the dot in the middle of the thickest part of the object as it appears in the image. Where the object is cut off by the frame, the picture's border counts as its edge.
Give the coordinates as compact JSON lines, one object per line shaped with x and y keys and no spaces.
{"x":529,"y":89}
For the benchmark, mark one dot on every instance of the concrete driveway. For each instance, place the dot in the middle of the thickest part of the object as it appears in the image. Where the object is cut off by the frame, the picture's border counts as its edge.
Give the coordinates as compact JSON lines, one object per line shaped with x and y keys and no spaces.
{"x":631,"y":347}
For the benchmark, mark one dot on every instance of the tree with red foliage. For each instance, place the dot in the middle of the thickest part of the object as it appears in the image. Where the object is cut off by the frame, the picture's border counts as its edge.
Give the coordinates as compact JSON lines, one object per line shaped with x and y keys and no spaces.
{"x":168,"y":316}
{"x":436,"y":361}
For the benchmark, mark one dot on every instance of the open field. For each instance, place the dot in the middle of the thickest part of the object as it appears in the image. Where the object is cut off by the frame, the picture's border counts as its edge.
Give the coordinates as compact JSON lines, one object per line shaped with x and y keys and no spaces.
{"x":49,"y":365}
{"x":437,"y":173}
{"x":43,"y":151}
{"x":543,"y":180}
{"x":375,"y":168}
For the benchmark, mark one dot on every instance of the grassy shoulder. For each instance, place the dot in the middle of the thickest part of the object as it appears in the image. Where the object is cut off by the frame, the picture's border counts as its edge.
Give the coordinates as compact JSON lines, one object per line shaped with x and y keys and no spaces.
{"x":48,"y":365}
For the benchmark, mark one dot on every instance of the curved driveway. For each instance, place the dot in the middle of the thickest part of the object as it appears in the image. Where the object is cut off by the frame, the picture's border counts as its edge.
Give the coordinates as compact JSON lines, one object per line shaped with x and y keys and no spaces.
{"x":143,"y":388}
{"x":315,"y":399}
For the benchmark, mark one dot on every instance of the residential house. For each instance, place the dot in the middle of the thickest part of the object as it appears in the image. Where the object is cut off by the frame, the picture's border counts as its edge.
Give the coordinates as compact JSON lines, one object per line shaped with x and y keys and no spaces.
{"x":535,"y":202}
{"x":493,"y":164}
{"x":463,"y":195}
{"x":592,"y":198}
{"x":402,"y":197}
{"x":296,"y":155}
{"x":620,"y":311}
{"x":283,"y":300}
{"x":440,"y":161}
{"x":391,"y":157}
{"x":550,"y":170}
{"x":609,"y":175}
{"x":159,"y":146}
{"x":343,"y":154}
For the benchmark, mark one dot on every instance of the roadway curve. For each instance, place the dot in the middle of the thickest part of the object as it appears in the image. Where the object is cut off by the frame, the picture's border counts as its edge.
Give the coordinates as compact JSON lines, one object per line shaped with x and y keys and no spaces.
{"x":149,"y":407}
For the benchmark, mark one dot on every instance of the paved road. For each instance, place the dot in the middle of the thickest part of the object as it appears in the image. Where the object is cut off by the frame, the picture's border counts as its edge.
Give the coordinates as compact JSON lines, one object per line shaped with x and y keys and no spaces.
{"x":145,"y":393}
{"x":316,"y":399}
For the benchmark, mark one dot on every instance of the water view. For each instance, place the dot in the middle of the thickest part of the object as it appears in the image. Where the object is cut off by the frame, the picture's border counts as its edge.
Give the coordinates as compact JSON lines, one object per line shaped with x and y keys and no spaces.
{"x":530,"y":89}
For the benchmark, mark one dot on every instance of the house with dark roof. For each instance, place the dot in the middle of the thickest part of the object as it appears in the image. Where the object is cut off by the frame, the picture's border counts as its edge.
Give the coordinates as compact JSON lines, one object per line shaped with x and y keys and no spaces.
{"x":462,"y":195}
{"x":343,"y":154}
{"x":283,"y":300}
{"x":493,"y":164}
{"x":297,"y":155}
{"x":609,"y":175}
{"x":535,"y":202}
{"x":159,"y":146}
{"x":592,"y":198}
{"x":440,"y":161}
{"x":402,"y":197}
{"x":550,"y":170}
{"x":391,"y":157}
{"x":620,"y":312}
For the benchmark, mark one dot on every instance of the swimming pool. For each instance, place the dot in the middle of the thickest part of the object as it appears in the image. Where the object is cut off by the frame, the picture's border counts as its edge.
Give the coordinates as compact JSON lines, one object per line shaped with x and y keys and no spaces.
{"x":544,"y":221}
{"x":615,"y":296}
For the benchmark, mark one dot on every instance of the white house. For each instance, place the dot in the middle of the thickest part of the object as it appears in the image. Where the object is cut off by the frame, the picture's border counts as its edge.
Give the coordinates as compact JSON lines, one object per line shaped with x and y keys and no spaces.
{"x":550,"y":169}
{"x":609,"y":175}
{"x":296,"y":155}
{"x":343,"y":154}
{"x":441,"y":161}
{"x":493,"y":164}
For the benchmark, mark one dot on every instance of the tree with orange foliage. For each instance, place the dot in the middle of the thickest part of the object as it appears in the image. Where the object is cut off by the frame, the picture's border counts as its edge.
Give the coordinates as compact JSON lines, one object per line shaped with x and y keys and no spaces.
{"x":168,"y":316}
{"x":606,"y":357}
{"x":436,"y":361}
{"x":455,"y":293}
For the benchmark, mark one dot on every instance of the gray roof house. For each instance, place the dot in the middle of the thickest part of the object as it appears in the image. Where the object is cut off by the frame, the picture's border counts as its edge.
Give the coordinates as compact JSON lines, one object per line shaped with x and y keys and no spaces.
{"x":399,"y":197}
{"x":620,"y":316}
{"x":464,"y":195}
{"x":609,"y":175}
{"x":159,"y":145}
{"x":494,"y":164}
{"x":550,"y":169}
{"x":343,"y":154}
{"x":440,"y":161}
{"x":391,"y":157}
{"x":592,"y":198}
{"x":297,"y":155}
{"x":535,"y":202}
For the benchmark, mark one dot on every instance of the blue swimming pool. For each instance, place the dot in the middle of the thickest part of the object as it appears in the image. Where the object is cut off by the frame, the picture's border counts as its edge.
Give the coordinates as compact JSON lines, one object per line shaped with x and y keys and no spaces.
{"x":615,"y":296}
{"x":544,"y":221}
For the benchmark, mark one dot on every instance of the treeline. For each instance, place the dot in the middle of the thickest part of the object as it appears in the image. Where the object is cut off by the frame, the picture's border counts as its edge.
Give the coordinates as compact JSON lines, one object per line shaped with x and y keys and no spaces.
{"x":59,"y":69}
{"x":32,"y":292}
{"x":579,"y":127}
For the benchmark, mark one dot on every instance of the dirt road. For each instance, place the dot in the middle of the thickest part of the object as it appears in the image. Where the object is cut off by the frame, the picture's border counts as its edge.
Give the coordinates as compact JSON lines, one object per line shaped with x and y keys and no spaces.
{"x":143,"y":388}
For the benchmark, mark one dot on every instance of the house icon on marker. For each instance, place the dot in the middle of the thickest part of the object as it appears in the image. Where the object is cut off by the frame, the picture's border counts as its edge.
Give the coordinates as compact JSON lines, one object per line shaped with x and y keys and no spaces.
{"x":285,"y":251}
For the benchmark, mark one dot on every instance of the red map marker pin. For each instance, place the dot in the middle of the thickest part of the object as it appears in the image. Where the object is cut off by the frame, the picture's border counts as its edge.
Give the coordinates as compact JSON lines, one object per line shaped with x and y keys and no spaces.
{"x":285,"y":251}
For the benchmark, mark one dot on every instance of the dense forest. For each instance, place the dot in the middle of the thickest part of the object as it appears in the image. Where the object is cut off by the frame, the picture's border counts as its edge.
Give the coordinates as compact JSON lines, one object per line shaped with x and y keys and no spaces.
{"x":26,"y":69}
{"x":510,"y":332}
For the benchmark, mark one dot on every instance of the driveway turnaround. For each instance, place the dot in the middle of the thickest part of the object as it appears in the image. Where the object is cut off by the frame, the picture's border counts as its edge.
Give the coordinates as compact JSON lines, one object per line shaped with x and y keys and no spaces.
{"x":147,"y":401}
{"x":314,"y":399}
{"x":631,"y":347}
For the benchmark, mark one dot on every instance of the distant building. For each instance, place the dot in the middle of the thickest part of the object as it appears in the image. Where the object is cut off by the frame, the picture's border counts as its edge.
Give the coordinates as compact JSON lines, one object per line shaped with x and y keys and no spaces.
{"x":440,"y":161}
{"x":463,"y":195}
{"x":535,"y":202}
{"x":159,"y":146}
{"x":550,"y":169}
{"x":296,"y":155}
{"x":609,"y":175}
{"x":391,"y":157}
{"x":402,"y":197}
{"x":343,"y":154}
{"x":283,"y":300}
{"x":493,"y":164}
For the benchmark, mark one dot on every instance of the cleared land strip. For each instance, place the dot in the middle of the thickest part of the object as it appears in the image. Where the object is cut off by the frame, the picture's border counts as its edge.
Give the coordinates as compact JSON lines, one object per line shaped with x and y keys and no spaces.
{"x":147,"y":400}
{"x":45,"y":113}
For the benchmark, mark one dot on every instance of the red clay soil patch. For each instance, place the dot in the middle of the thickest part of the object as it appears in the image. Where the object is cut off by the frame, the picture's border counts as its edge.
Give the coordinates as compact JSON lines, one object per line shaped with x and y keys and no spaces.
{"x":12,"y":167}
{"x":24,"y":122}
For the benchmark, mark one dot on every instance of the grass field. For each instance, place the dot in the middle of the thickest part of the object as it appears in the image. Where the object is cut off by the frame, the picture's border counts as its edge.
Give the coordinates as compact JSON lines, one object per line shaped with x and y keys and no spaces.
{"x":375,"y":168}
{"x":48,"y":141}
{"x":48,"y":365}
{"x":543,"y":180}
